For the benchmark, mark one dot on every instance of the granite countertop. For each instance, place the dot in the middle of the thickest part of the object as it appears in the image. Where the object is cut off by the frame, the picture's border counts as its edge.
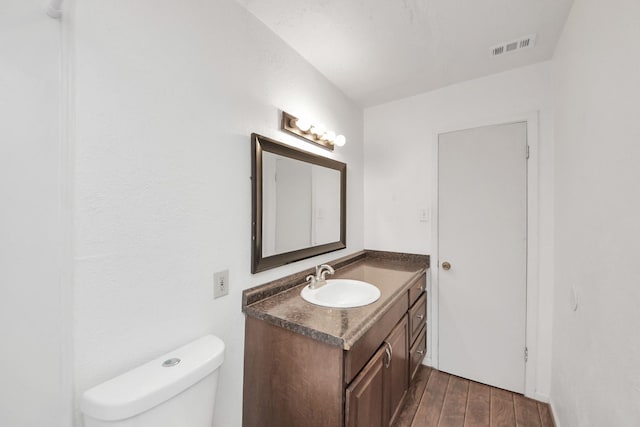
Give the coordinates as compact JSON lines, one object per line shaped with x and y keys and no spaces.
{"x":392,"y":273}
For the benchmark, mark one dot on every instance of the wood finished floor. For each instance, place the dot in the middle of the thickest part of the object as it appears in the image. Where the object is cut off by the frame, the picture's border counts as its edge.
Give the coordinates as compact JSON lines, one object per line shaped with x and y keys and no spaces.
{"x":437,"y":399}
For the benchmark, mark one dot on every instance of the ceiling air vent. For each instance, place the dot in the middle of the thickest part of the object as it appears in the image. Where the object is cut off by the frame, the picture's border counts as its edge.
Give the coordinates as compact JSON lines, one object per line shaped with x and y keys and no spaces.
{"x":514,"y":45}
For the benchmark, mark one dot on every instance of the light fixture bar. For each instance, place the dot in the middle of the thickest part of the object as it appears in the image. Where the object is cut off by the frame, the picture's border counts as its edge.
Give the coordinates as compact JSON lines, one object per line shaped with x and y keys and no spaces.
{"x":313,"y":133}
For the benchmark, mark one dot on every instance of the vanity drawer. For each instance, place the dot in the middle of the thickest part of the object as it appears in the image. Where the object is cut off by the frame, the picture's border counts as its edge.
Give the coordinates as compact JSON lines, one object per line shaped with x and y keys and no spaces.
{"x":417,"y":317}
{"x":417,"y":288}
{"x":418,"y":351}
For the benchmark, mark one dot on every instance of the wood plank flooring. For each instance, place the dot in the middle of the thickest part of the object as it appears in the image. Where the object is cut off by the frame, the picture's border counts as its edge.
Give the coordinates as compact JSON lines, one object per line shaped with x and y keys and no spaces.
{"x":437,"y":399}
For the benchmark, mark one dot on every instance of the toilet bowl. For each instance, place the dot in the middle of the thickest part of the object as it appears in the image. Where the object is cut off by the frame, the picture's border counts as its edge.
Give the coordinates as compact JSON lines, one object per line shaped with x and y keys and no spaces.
{"x":177,"y":389}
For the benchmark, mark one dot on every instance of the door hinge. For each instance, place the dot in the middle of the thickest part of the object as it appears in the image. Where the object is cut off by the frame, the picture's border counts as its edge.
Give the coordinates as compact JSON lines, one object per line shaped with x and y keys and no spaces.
{"x":527,"y":151}
{"x":526,"y":354}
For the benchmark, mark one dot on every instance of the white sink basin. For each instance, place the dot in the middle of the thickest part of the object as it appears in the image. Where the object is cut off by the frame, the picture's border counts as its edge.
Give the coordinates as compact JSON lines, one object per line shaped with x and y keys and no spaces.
{"x":342,"y":293}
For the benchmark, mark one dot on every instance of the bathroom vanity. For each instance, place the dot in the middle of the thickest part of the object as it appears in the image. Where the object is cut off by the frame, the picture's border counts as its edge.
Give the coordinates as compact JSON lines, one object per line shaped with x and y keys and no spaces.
{"x":307,"y":365}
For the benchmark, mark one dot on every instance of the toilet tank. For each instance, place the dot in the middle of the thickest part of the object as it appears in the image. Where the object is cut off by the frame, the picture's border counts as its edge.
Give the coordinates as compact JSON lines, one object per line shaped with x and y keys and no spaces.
{"x":174,"y":390}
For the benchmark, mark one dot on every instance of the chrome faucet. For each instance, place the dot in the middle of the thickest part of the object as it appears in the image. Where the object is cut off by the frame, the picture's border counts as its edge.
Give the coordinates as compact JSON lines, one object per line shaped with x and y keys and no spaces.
{"x":320,"y":278}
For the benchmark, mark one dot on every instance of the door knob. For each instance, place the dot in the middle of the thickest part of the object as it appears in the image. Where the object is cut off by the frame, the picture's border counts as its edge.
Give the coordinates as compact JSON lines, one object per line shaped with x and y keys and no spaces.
{"x":446,"y":265}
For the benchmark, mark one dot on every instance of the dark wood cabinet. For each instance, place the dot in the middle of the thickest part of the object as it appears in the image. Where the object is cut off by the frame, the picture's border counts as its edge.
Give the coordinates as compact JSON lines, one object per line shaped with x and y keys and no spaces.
{"x":295,"y":380}
{"x":397,"y":371}
{"x":366,"y":397}
{"x":417,"y":317}
{"x":417,"y":333}
{"x":375,"y":396}
{"x":290,"y":379}
{"x":417,"y":288}
{"x":417,"y":353}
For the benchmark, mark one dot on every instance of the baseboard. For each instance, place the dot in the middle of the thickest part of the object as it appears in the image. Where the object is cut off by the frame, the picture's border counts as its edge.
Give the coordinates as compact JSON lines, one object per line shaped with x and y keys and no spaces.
{"x":553,"y":415}
{"x":540,"y":397}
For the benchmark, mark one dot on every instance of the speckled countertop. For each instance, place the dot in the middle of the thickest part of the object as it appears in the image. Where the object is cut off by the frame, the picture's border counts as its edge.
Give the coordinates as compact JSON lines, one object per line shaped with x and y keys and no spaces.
{"x":280,"y":303}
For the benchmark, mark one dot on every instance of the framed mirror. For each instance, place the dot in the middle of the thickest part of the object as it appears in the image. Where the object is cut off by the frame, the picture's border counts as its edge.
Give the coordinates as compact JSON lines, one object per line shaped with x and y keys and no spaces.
{"x":299,"y":204}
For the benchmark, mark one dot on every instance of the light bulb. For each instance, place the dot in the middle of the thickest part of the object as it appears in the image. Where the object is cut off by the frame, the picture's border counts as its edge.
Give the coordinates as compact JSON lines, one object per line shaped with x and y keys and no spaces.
{"x":303,"y":125}
{"x":317,"y":130}
{"x":330,"y":136}
{"x":340,"y":140}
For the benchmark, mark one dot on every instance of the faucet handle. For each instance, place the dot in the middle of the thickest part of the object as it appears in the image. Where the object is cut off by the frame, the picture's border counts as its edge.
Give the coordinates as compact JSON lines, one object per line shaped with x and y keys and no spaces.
{"x":312,"y":281}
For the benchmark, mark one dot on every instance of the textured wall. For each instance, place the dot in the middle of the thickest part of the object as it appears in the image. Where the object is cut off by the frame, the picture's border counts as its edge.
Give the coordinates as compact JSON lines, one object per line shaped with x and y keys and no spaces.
{"x":596,"y":349}
{"x":32,"y":312}
{"x":167,"y":94}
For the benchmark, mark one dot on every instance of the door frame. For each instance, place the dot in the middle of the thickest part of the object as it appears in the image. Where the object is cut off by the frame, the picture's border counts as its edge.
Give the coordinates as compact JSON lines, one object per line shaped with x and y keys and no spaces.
{"x":532,"y":261}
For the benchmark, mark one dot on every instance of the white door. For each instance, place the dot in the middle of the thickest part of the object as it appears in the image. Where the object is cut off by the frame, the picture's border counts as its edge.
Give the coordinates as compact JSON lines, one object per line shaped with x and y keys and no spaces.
{"x":293,"y":205}
{"x":482,"y":234}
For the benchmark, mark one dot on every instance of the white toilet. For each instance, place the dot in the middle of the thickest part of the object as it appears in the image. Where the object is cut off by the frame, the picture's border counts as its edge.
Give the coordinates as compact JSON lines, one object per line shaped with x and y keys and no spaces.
{"x":174,"y":390}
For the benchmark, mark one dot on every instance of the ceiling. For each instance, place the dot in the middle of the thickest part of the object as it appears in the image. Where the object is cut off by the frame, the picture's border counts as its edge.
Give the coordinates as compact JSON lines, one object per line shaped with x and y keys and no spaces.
{"x":377,"y":51}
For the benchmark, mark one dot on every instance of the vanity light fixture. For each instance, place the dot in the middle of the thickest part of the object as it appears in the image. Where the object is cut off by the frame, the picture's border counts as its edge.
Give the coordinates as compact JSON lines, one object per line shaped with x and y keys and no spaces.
{"x":315,"y":133}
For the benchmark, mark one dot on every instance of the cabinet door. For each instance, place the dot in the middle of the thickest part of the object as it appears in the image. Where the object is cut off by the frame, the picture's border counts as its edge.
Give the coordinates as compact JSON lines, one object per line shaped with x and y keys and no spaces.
{"x":397,"y":372}
{"x":365,"y":398}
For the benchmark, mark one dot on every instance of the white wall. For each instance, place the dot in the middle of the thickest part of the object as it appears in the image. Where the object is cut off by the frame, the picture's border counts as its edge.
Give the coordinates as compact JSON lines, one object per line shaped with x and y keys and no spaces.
{"x":596,"y":349}
{"x":399,"y":170}
{"x":33,"y":384}
{"x":166,"y":96}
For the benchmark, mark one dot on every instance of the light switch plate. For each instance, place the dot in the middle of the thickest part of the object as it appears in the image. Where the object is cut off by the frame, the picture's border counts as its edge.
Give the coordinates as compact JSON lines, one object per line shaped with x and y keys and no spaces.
{"x":220,"y":283}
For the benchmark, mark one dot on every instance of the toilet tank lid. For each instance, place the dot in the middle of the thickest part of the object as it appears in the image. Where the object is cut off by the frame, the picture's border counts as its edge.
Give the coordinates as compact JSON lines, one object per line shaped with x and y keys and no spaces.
{"x":151,"y":384}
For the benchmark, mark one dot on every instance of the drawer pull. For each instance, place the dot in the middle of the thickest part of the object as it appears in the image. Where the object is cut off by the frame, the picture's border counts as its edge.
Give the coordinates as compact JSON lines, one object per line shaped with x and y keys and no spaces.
{"x":420,"y":316}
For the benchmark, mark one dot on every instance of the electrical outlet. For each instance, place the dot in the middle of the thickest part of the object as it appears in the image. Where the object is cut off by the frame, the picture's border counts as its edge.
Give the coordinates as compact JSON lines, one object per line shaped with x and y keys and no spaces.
{"x":220,"y":283}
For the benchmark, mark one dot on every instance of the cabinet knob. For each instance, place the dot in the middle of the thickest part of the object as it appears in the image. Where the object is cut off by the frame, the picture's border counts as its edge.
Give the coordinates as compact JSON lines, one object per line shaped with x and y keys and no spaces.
{"x":420,"y":352}
{"x":446,"y":265}
{"x":420,"y":316}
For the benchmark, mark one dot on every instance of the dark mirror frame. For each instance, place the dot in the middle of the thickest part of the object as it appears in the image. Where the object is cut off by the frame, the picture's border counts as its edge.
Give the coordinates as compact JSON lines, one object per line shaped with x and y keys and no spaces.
{"x":259,"y":144}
